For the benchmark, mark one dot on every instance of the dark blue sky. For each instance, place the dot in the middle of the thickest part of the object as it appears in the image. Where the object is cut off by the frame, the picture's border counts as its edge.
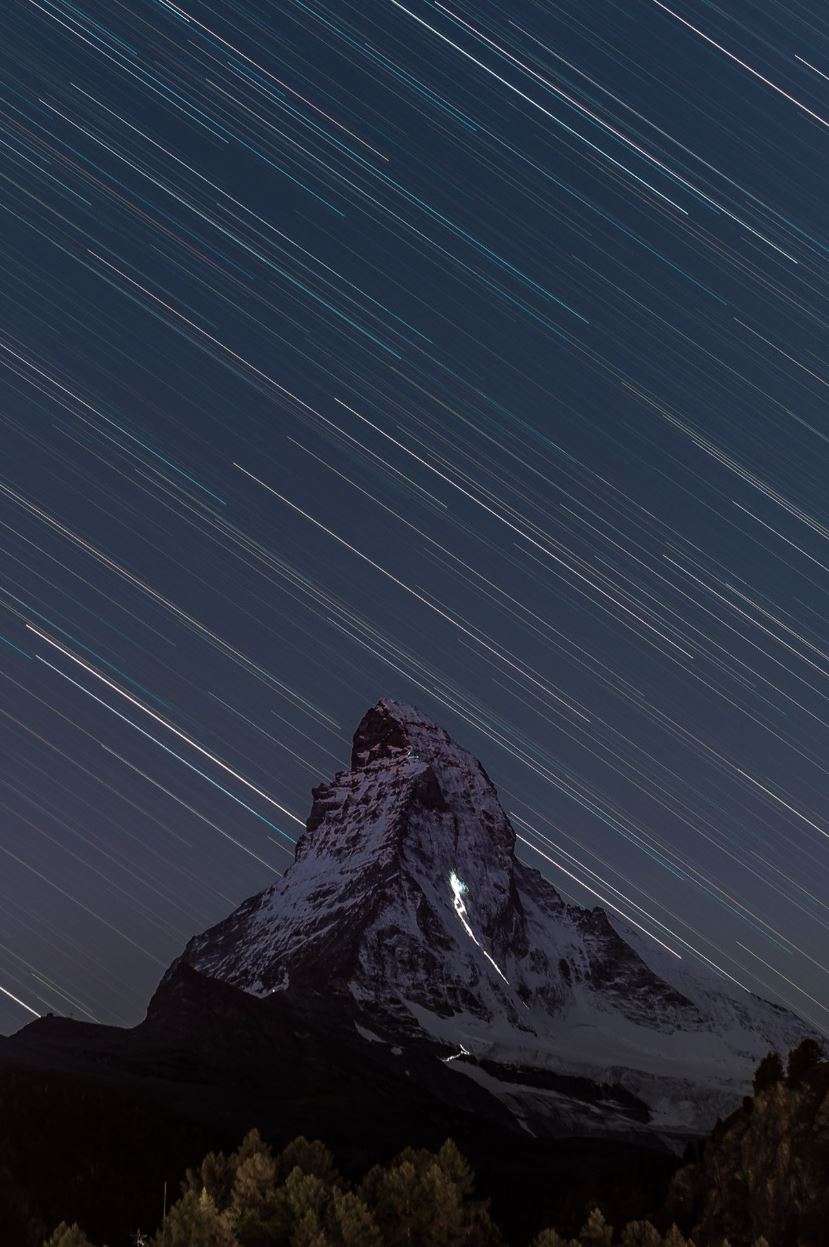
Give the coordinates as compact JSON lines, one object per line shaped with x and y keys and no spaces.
{"x":468,"y":353}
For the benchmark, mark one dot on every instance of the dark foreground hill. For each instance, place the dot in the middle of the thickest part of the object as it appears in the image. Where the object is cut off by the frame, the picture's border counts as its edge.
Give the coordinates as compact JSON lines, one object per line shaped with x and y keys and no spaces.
{"x":760,"y":1177}
{"x":94,"y":1120}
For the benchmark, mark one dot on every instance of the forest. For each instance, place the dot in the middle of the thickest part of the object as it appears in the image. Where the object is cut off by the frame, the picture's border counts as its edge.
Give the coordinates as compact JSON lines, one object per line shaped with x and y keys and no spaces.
{"x":759,"y":1180}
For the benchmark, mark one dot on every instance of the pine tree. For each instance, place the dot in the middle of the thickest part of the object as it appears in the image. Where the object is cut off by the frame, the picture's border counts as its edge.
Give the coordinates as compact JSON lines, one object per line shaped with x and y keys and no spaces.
{"x":768,"y":1072}
{"x":269,"y":1228}
{"x":803,"y":1059}
{"x":549,"y":1238}
{"x":424,"y":1199}
{"x":67,"y":1236}
{"x":254,"y":1182}
{"x":309,"y":1157}
{"x":354,"y":1221}
{"x":261,"y":1210}
{"x":391,"y":1193}
{"x":480,"y":1230}
{"x":641,"y":1234}
{"x":406,"y":1203}
{"x":456,"y":1168}
{"x":674,"y":1238}
{"x":252,"y":1144}
{"x":596,"y":1232}
{"x":448,"y":1220}
{"x":195,"y":1221}
{"x":305,"y":1193}
{"x":308,"y":1232}
{"x":216,"y":1175}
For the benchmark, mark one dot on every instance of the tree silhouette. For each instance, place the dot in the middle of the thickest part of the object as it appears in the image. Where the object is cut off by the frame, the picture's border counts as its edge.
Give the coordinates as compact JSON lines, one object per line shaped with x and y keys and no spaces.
{"x":805,"y":1057}
{"x":768,"y":1072}
{"x":67,"y":1236}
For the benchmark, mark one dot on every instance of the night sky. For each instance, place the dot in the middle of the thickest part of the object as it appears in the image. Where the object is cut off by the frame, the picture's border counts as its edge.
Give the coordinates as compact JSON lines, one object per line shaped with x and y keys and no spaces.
{"x":468,"y":353}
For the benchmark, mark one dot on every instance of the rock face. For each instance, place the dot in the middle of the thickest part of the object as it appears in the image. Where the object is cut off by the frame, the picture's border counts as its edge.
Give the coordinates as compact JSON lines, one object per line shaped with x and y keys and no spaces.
{"x":764,"y":1170}
{"x":406,"y":903}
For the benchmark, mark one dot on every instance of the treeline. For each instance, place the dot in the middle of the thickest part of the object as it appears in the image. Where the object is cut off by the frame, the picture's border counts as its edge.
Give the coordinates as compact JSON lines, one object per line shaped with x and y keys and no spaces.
{"x":298,"y":1198}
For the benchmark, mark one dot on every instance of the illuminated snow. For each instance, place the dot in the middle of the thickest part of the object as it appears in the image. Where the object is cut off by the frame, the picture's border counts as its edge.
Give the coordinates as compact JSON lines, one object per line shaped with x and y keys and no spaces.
{"x":458,"y":888}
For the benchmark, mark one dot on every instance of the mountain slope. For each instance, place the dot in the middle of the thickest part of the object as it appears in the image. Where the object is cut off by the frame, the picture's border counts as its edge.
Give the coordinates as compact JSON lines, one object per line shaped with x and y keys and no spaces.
{"x":406,"y":900}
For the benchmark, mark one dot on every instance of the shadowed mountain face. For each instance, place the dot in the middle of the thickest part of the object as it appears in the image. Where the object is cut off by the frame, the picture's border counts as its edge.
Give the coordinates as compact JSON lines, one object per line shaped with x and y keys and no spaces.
{"x":407,"y":901}
{"x":94,"y":1120}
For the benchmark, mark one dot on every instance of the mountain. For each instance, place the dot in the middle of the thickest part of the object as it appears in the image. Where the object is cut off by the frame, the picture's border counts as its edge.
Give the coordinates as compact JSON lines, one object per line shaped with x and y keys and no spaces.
{"x":407,"y":912}
{"x":408,"y":980}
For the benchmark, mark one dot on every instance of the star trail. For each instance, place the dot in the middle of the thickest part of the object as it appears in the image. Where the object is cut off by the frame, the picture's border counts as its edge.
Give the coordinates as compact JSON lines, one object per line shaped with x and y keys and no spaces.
{"x":470,"y":353}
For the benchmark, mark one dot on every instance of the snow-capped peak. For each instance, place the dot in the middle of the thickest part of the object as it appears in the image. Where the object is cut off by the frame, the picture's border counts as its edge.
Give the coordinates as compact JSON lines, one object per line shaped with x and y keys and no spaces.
{"x":407,"y":902}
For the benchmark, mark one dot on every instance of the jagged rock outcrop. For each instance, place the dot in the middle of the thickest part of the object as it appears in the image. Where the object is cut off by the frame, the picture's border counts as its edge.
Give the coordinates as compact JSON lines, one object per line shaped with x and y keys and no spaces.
{"x":765,"y":1170}
{"x":406,"y":901}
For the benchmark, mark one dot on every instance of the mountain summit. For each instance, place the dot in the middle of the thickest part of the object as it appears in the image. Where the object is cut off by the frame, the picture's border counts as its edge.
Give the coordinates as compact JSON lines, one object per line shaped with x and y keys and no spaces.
{"x":407,"y":910}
